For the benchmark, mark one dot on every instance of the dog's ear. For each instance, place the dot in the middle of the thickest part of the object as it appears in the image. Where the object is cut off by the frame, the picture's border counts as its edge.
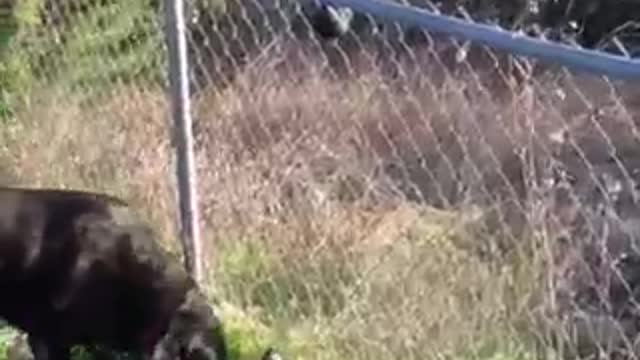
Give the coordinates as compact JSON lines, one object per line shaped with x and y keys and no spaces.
{"x":187,"y":344}
{"x":196,"y":330}
{"x":205,"y":337}
{"x":200,"y":347}
{"x":164,"y":350}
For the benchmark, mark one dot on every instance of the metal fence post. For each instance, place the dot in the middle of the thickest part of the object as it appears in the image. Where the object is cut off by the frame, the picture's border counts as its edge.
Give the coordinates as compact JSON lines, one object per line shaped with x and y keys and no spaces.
{"x":183,"y":137}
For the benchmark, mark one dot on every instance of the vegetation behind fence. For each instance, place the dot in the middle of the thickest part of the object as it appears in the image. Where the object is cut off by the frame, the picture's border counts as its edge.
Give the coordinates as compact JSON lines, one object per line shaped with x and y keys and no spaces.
{"x":389,"y":193}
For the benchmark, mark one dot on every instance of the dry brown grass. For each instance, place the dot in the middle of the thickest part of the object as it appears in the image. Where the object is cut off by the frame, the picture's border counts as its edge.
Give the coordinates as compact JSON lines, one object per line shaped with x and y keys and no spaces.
{"x":307,"y":187}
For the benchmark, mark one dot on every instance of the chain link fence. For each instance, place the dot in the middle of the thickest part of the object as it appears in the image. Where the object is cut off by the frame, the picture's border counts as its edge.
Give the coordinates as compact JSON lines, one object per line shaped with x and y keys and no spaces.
{"x":386,"y":193}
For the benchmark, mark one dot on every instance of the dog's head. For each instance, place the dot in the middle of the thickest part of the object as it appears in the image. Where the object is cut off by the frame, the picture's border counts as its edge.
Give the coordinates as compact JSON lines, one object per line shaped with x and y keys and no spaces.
{"x":195,"y":333}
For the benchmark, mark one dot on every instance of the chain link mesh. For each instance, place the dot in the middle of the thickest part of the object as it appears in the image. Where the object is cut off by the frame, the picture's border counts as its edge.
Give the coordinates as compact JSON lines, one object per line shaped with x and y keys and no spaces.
{"x":389,"y":193}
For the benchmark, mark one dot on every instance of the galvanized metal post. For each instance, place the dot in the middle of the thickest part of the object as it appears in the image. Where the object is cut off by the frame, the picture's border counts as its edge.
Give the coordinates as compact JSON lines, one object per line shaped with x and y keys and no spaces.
{"x":183,"y":137}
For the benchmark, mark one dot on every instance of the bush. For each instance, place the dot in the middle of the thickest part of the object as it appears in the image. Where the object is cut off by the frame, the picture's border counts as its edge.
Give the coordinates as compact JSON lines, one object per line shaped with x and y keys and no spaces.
{"x":14,"y":71}
{"x":94,"y":44}
{"x":6,"y":335}
{"x":79,"y":45}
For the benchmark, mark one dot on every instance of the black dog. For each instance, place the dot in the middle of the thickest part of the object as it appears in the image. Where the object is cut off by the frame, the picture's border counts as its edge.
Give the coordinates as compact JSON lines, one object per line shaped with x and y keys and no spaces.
{"x":77,"y":268}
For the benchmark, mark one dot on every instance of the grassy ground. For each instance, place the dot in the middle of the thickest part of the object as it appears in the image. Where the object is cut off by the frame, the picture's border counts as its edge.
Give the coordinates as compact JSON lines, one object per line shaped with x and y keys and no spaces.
{"x":308,"y":247}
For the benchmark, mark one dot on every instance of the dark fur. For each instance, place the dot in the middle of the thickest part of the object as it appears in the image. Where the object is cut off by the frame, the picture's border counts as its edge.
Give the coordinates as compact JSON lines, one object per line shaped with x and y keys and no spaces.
{"x":72,"y":273}
{"x":331,"y":22}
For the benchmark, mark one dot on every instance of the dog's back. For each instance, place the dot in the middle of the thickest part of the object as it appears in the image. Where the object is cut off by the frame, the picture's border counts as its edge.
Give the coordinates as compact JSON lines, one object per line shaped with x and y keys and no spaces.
{"x":38,"y":246}
{"x":80,"y":268}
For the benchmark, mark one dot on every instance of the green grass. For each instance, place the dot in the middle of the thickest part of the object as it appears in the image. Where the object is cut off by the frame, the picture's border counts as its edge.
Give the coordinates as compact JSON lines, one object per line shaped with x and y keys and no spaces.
{"x":85,"y":51}
{"x":5,"y":38}
{"x":5,"y":336}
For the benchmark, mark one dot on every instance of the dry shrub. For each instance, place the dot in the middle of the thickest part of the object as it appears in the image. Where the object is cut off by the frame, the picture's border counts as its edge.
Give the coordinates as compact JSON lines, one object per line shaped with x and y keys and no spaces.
{"x":288,"y":142}
{"x":309,"y":162}
{"x":314,"y":185}
{"x":119,"y":145}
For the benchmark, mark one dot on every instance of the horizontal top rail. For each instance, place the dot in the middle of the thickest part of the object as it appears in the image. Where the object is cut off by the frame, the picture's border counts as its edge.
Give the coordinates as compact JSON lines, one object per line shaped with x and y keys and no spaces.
{"x":573,"y":57}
